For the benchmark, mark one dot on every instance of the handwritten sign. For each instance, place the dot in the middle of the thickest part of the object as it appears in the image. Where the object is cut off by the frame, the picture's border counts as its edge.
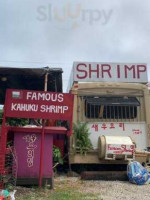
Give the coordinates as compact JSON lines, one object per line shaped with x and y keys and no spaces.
{"x":104,"y":126}
{"x":30,"y":139}
{"x":136,"y":130}
{"x":38,"y":104}
{"x":120,"y":149}
{"x":109,"y":72}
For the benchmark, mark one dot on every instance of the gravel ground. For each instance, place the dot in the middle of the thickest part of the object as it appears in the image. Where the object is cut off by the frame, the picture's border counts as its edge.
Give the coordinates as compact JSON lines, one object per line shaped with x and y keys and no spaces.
{"x":112,"y":190}
{"x":107,"y":190}
{"x":100,"y":190}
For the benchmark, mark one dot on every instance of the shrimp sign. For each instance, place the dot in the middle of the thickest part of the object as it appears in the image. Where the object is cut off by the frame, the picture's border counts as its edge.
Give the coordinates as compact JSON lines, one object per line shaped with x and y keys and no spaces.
{"x":109,"y":72}
{"x":38,"y":104}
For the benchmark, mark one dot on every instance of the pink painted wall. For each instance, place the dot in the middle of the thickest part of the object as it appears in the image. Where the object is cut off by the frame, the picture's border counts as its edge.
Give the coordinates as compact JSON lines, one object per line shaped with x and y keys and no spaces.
{"x":27,"y":147}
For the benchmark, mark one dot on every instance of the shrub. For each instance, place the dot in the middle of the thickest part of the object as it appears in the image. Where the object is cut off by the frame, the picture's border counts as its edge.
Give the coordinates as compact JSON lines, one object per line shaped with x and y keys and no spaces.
{"x":83,"y":142}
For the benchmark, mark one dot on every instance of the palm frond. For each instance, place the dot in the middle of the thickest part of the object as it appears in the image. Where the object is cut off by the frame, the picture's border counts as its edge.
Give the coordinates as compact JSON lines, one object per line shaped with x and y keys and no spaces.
{"x":83,"y":142}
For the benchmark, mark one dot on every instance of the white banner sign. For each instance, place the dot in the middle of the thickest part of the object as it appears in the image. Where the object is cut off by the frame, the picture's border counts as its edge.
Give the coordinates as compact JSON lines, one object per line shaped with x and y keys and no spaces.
{"x":136,"y":130}
{"x":109,"y":72}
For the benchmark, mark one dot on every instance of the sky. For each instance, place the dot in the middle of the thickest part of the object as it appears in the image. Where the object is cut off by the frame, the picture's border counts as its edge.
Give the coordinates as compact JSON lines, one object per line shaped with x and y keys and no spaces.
{"x":56,"y":33}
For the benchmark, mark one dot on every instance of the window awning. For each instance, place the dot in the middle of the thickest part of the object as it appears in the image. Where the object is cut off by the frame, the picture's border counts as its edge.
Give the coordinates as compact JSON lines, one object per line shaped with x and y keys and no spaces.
{"x":113,"y":101}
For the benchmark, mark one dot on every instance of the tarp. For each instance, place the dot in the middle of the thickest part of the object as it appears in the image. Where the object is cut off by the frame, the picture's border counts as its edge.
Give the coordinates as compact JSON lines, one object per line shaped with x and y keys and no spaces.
{"x":29,"y":79}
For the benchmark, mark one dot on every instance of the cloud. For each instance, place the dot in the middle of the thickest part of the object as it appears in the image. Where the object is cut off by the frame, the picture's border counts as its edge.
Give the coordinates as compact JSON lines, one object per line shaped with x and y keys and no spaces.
{"x":73,"y":31}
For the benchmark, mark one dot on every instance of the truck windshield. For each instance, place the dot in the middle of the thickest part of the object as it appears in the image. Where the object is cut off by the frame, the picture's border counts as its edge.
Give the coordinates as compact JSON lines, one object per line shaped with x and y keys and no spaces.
{"x":111,"y":107}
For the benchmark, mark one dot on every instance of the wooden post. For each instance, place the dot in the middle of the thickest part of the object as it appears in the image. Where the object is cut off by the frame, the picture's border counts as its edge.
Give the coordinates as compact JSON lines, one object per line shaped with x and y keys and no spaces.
{"x":42,"y":139}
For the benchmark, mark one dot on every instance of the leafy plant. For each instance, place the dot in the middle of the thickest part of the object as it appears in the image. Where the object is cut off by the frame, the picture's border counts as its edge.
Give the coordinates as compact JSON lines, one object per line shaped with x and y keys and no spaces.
{"x":1,"y":116}
{"x":14,"y":121}
{"x":17,"y":121}
{"x":57,"y":155}
{"x":83,"y":142}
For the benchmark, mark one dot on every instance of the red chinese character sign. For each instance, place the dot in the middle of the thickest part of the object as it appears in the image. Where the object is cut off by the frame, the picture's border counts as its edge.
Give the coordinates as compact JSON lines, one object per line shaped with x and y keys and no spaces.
{"x":38,"y":104}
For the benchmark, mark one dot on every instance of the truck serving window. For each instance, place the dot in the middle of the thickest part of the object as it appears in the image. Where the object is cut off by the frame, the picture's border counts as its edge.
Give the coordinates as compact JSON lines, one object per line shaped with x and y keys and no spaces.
{"x":111,"y":107}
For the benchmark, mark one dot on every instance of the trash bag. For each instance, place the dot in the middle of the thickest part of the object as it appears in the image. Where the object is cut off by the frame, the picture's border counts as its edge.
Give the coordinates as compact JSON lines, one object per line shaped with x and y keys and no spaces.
{"x":137,"y":173}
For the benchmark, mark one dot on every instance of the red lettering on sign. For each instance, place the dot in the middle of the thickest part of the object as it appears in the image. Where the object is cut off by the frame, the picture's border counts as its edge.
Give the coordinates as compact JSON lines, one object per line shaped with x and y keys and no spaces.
{"x":80,"y":68}
{"x":129,"y":68}
{"x":110,"y":71}
{"x":104,"y":126}
{"x":94,"y":70}
{"x":118,"y":71}
{"x":106,"y":68}
{"x":112,"y":125}
{"x":95,"y":126}
{"x":122,"y":126}
{"x":136,"y":131}
{"x":140,"y":68}
{"x":113,"y":148}
{"x":121,"y":149}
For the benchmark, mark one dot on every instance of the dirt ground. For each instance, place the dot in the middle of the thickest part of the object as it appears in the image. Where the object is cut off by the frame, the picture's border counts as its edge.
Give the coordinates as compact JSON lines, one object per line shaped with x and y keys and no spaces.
{"x":73,"y":188}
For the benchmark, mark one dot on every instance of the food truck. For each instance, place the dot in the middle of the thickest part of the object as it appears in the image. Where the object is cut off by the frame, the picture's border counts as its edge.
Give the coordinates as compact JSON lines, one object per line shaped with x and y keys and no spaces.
{"x":113,"y":101}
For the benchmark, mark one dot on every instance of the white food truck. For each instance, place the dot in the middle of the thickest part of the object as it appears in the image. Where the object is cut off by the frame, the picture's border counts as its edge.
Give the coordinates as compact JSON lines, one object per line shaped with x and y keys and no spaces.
{"x":113,"y":100}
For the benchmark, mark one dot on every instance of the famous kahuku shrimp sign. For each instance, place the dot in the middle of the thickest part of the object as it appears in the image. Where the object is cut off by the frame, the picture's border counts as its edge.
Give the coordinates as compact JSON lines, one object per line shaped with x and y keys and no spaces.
{"x":38,"y":104}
